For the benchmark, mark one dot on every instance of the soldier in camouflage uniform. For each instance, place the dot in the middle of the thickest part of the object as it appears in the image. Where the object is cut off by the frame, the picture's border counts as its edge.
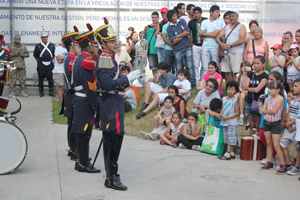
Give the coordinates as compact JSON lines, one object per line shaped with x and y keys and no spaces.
{"x":18,"y":52}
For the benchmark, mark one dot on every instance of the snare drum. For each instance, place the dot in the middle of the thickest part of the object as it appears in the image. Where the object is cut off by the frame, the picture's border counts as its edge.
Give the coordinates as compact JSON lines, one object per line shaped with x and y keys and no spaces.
{"x":13,"y":147}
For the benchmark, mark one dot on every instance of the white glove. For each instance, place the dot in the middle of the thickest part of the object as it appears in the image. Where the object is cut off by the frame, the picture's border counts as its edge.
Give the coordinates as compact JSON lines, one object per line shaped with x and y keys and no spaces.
{"x":133,"y":75}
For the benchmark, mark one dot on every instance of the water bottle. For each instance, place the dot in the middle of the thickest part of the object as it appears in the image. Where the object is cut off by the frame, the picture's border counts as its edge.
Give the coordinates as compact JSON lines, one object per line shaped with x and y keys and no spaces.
{"x":157,"y":78}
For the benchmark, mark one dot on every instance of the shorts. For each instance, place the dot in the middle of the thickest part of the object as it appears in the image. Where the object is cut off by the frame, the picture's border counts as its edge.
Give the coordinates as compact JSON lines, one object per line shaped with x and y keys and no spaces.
{"x":153,"y":61}
{"x":59,"y":79}
{"x":288,"y":138}
{"x":232,"y":62}
{"x":230,"y":134}
{"x":155,"y":88}
{"x":274,"y":127}
{"x":248,"y":110}
{"x":292,"y":78}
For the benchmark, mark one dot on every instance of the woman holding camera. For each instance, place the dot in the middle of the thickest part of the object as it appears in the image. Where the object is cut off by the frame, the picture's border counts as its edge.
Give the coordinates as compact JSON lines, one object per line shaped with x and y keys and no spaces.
{"x":256,"y":82}
{"x":130,"y":46}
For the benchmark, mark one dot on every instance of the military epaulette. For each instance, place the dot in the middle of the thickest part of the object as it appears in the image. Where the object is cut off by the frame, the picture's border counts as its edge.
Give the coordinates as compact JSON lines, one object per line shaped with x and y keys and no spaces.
{"x":88,"y":64}
{"x":6,"y":51}
{"x":105,"y":61}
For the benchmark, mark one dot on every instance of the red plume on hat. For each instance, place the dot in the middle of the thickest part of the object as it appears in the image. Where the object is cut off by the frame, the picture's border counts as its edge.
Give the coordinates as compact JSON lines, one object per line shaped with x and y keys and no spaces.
{"x":105,"y":20}
{"x":75,"y":29}
{"x":89,"y":26}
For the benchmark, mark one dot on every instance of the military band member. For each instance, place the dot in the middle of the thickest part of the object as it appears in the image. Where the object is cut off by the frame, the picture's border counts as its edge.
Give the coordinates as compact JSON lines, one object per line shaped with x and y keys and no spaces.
{"x":112,"y":84}
{"x":67,"y":104}
{"x":85,"y":100}
{"x":44,"y":54}
{"x":18,"y":52}
{"x":4,"y":56}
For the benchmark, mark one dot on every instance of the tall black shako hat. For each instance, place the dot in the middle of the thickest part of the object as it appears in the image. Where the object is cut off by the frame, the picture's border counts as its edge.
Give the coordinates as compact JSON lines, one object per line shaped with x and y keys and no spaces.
{"x":105,"y":33}
{"x":69,"y":39}
{"x":87,"y":37}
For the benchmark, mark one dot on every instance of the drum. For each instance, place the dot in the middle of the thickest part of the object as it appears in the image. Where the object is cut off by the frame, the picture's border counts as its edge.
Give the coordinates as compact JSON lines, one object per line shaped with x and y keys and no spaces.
{"x":13,"y":147}
{"x":247,"y":148}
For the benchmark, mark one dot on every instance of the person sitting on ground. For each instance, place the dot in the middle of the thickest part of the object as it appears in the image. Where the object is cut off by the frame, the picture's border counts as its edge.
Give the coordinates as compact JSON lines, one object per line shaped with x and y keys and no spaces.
{"x":164,"y":114}
{"x":215,"y":113}
{"x":203,"y":98}
{"x":191,"y":138}
{"x":241,"y":95}
{"x":229,"y":121}
{"x":129,"y":98}
{"x":183,"y":84}
{"x":213,"y":70}
{"x":170,"y":137}
{"x":160,"y":92}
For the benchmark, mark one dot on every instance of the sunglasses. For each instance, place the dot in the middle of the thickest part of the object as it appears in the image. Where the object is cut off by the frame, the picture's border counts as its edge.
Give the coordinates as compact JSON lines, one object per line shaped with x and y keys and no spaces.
{"x":209,"y":86}
{"x":121,"y":65}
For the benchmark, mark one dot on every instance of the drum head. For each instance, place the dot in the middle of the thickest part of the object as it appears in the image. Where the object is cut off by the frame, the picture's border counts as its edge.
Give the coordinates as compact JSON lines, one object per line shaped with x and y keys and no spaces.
{"x":13,"y":147}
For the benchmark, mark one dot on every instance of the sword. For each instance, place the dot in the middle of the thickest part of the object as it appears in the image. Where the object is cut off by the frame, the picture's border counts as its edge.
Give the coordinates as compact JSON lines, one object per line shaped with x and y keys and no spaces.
{"x":97,"y":152}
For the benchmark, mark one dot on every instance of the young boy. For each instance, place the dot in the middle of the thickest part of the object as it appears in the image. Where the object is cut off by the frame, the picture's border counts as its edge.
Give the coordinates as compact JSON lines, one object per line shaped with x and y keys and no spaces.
{"x":293,"y":65}
{"x":183,"y":84}
{"x":215,"y":113}
{"x":277,"y":61}
{"x":290,"y":132}
{"x":230,"y":121}
{"x":130,"y":98}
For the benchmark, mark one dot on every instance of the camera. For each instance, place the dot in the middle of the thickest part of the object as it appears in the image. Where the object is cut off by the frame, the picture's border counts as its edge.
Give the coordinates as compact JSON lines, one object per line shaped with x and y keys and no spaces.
{"x":262,"y":98}
{"x":150,"y":26}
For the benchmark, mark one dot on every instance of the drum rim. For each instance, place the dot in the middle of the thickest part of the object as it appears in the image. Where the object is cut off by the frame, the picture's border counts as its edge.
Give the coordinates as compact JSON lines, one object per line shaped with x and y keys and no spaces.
{"x":18,"y":127}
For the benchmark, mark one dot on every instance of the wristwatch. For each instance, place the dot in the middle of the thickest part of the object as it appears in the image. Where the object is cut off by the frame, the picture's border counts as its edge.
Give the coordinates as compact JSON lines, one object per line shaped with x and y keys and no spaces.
{"x":231,"y":46}
{"x":202,"y":33}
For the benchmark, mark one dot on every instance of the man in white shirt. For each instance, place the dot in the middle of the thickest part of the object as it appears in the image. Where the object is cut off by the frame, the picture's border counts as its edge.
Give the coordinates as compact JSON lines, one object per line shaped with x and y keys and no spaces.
{"x":122,"y":55}
{"x":58,"y":71}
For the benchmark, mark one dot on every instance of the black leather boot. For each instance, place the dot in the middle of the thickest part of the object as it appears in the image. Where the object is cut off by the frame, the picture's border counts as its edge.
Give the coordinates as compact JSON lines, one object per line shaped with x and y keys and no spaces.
{"x":51,"y":91}
{"x":41,"y":88}
{"x":113,"y":179}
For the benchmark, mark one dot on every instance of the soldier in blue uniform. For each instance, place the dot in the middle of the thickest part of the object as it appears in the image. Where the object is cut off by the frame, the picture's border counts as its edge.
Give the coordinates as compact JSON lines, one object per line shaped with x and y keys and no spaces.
{"x":112,"y":85}
{"x":4,"y":56}
{"x":44,"y":54}
{"x":67,"y":105}
{"x":85,"y":100}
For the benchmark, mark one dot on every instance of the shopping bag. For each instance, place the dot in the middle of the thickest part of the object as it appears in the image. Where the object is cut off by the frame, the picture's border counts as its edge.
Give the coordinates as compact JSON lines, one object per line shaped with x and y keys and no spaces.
{"x":202,"y":120}
{"x":160,"y":42}
{"x":213,"y":141}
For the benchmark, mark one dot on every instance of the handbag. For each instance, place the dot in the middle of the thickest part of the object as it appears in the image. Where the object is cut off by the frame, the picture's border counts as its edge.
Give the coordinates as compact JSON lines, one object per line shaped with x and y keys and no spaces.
{"x":160,"y":42}
{"x":213,"y":141}
{"x":254,"y":104}
{"x":202,"y":120}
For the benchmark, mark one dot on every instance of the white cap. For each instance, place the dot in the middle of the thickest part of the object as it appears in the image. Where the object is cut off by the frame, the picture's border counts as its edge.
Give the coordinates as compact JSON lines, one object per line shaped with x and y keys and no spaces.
{"x":234,"y":11}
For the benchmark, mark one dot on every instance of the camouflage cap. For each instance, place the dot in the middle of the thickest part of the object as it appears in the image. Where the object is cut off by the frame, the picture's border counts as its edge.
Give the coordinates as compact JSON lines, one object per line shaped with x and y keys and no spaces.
{"x":17,"y":38}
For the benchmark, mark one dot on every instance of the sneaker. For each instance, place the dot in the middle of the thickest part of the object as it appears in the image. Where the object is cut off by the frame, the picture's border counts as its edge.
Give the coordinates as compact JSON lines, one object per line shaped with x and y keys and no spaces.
{"x":264,"y":161}
{"x":232,"y":156}
{"x":144,"y":135}
{"x":294,"y":162}
{"x":289,"y":168}
{"x":181,"y":146}
{"x":196,"y":147}
{"x":174,"y":145}
{"x":241,"y":121}
{"x":295,"y":171}
{"x":153,"y":136}
{"x":140,"y":115}
{"x":268,"y":165}
{"x":161,"y":142}
{"x":282,"y":170}
{"x":224,"y":157}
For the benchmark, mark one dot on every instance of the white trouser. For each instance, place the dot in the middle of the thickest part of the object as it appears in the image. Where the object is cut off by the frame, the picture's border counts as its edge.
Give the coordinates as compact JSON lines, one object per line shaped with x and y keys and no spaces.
{"x":197,"y":54}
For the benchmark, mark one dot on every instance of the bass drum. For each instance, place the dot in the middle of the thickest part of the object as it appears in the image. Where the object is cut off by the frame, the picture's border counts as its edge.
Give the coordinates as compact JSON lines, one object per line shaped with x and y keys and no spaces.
{"x":13,"y":147}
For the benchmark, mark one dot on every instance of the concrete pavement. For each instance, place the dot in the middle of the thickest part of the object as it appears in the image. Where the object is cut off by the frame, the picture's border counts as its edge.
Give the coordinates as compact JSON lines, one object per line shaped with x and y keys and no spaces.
{"x":150,"y":170}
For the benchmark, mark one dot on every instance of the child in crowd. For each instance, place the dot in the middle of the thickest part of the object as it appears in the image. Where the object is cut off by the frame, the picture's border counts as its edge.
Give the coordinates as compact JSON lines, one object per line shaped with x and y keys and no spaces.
{"x":190,"y":137}
{"x":293,"y":65}
{"x":229,"y":121}
{"x":277,"y":62}
{"x":183,"y":84}
{"x":290,"y":132}
{"x":129,"y":98}
{"x":164,"y":115}
{"x":272,"y":110}
{"x":290,"y":95}
{"x":179,"y":103}
{"x":170,"y":137}
{"x":241,"y":95}
{"x":274,"y":76}
{"x":215,"y":113}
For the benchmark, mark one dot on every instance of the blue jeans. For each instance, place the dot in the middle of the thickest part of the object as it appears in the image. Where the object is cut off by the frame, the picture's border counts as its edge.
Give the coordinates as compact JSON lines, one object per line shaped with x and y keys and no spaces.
{"x":187,"y":52}
{"x":207,"y":56}
{"x":161,"y":55}
{"x":170,"y":59}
